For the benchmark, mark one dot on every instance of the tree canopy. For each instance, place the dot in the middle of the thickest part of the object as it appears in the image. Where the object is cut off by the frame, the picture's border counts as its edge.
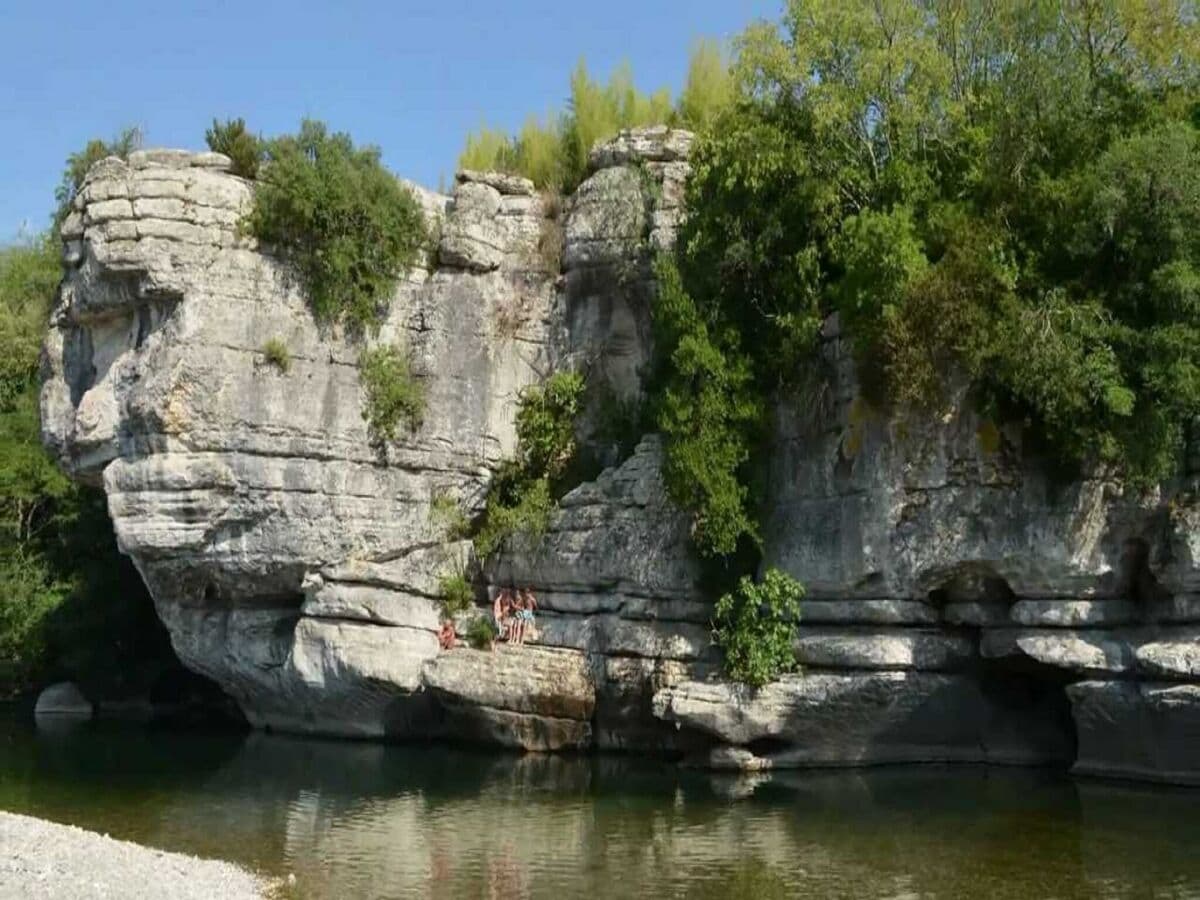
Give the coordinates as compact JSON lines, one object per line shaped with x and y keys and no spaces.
{"x":1007,"y":189}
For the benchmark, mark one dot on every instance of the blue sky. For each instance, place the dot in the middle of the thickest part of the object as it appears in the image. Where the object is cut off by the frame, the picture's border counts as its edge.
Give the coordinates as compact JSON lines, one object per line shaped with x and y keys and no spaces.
{"x":412,"y":76}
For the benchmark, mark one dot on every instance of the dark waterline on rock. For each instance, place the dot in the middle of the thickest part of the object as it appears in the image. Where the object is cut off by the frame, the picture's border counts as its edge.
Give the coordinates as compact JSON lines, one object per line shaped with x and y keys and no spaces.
{"x":359,"y":820}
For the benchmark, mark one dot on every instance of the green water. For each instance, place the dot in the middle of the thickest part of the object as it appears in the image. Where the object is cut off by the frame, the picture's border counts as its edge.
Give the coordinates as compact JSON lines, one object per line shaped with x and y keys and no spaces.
{"x":369,"y":821}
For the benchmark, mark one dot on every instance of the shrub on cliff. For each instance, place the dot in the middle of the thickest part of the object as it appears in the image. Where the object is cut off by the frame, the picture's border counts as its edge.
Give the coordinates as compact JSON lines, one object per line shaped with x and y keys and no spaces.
{"x":349,"y":226}
{"x":456,"y":592}
{"x":755,"y":624}
{"x":524,"y":489}
{"x":245,"y":150}
{"x":394,"y":396}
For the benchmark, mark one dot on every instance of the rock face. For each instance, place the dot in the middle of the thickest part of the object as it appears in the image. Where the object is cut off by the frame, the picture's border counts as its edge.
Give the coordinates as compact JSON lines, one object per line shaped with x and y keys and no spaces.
{"x":962,"y":607}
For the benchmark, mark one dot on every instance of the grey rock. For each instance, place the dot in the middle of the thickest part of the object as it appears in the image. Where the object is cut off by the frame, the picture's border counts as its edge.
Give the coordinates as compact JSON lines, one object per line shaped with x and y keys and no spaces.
{"x":1073,"y":613}
{"x":1172,"y":655}
{"x":525,"y":697}
{"x":867,"y":612}
{"x":63,"y":699}
{"x":161,"y":156}
{"x":237,"y":490}
{"x":1129,"y":730}
{"x":1083,"y":652}
{"x":658,"y":143}
{"x":503,"y":182}
{"x":863,"y":718}
{"x":842,"y":648}
{"x":606,"y":221}
{"x":976,"y":613}
{"x":619,"y":534}
{"x":524,"y":679}
{"x":1181,"y":608}
{"x":870,"y":503}
{"x":210,"y":160}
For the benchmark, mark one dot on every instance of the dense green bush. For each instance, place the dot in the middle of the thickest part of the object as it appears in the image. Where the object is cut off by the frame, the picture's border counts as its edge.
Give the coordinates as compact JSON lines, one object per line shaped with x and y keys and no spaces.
{"x":709,"y":410}
{"x":245,"y":150}
{"x":755,"y":624}
{"x":1008,"y":190}
{"x":554,"y":152}
{"x":394,"y":396}
{"x":524,"y":490}
{"x":481,"y":633}
{"x":349,"y":226}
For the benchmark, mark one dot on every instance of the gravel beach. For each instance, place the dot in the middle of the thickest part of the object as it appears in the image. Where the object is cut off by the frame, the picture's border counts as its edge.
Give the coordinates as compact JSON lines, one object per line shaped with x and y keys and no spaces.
{"x":44,"y":859}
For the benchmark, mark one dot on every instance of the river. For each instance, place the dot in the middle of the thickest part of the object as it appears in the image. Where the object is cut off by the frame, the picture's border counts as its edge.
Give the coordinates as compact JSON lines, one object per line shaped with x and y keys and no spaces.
{"x":357,"y":820}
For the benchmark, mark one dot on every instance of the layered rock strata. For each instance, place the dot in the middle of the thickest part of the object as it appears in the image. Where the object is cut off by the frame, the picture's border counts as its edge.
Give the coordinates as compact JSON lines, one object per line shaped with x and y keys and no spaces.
{"x":962,"y":606}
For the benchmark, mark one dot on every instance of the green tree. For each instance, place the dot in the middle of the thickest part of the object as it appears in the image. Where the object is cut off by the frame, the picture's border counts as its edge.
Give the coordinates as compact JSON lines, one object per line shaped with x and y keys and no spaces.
{"x":245,"y":150}
{"x":70,"y":605}
{"x":755,"y":624}
{"x":349,"y":226}
{"x":1005,"y":190}
{"x":78,"y":163}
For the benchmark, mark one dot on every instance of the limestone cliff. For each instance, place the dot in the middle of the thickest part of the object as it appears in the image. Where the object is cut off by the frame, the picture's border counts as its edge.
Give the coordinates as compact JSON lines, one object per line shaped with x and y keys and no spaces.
{"x":963,"y":606}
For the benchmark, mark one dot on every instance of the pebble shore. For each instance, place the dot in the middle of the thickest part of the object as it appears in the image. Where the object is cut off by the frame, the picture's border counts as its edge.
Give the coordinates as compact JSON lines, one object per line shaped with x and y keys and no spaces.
{"x":43,"y":859}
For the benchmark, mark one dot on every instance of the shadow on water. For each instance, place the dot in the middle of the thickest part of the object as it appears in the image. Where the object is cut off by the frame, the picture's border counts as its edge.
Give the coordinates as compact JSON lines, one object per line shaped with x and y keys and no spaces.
{"x":358,"y":820}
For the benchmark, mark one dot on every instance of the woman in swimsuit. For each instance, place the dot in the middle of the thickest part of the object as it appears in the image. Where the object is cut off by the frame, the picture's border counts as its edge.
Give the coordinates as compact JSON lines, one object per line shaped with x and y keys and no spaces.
{"x":528,"y":605}
{"x":518,"y":628}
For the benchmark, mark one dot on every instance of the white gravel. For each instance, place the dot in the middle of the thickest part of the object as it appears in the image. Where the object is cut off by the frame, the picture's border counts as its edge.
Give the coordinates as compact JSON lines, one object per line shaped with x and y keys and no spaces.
{"x":43,"y":859}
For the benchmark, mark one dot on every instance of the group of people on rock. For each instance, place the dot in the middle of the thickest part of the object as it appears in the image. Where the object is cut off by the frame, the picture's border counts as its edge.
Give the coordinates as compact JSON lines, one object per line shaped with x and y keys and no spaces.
{"x":512,"y":611}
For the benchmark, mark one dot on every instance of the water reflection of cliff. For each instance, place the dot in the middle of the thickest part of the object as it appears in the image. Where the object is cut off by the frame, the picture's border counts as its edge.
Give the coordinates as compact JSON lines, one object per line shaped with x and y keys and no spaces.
{"x":364,"y":820}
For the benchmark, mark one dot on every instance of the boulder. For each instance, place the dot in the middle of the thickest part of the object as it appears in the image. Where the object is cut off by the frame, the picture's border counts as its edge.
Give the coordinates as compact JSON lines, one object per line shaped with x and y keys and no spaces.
{"x":844,"y":648}
{"x":824,"y":719}
{"x":518,"y":696}
{"x":1137,"y":730}
{"x":64,"y":700}
{"x":1073,"y":613}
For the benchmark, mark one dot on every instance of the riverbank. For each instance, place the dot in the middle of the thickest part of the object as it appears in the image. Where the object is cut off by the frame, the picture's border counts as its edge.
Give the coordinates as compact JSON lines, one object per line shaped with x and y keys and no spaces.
{"x":45,"y":859}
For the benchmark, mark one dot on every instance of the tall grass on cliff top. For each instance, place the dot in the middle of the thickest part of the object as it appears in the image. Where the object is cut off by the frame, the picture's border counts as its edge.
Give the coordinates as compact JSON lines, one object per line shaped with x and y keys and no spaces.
{"x":349,"y":226}
{"x":553,"y":152}
{"x":1010,"y":191}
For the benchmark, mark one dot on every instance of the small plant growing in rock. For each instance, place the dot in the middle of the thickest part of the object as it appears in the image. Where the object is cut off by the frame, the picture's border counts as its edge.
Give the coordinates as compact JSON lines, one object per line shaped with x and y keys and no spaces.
{"x":526,"y":512}
{"x":754,"y":626}
{"x":245,"y":150}
{"x":456,"y":593}
{"x":393,"y":394}
{"x":447,"y":517}
{"x":275,"y":352}
{"x":481,"y":633}
{"x":349,"y":226}
{"x":551,"y":236}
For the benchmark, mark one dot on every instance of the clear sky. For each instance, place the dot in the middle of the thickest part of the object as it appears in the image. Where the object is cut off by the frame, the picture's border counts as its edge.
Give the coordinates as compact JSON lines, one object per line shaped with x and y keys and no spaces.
{"x":411,"y":76}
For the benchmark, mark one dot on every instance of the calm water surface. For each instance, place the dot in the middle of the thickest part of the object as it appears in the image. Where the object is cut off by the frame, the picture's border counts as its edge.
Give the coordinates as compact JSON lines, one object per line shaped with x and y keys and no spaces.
{"x":369,"y":821}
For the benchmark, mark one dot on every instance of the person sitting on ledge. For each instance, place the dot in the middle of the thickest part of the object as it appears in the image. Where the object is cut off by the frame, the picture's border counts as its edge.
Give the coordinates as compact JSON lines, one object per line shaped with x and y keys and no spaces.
{"x":502,"y":614}
{"x":446,"y":635}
